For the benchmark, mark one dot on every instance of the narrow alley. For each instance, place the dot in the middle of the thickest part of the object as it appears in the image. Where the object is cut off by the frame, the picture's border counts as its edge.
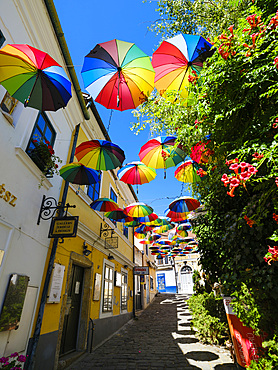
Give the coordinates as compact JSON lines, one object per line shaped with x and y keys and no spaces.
{"x":159,"y":338}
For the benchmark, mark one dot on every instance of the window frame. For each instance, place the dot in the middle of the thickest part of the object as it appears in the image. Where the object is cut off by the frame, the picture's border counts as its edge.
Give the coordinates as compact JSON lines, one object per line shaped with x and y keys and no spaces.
{"x":31,"y":146}
{"x":111,"y":265}
{"x":124,"y":287}
{"x":115,"y":194}
{"x":93,"y":186}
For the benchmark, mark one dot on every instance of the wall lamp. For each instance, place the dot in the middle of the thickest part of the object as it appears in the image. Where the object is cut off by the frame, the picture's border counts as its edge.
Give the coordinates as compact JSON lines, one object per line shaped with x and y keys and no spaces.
{"x":86,"y":251}
{"x":125,"y":266}
{"x":110,"y":257}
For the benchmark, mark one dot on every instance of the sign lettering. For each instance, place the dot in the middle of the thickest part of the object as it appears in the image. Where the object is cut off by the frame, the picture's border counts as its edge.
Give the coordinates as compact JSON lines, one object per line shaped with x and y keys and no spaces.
{"x":7,"y":196}
{"x":65,"y":227}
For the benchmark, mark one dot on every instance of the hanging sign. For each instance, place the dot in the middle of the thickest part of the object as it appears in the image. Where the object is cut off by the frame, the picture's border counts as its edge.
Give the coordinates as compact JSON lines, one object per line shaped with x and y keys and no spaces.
{"x":246,"y":343}
{"x":65,"y":227}
{"x":141,"y":270}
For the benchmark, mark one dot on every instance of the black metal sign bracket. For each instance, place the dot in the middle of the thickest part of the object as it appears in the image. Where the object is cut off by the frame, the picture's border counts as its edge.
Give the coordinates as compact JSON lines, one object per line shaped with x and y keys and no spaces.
{"x":50,"y":206}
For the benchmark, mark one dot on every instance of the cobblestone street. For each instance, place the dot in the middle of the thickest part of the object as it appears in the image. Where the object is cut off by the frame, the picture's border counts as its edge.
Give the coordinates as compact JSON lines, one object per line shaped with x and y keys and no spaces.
{"x":159,"y":338}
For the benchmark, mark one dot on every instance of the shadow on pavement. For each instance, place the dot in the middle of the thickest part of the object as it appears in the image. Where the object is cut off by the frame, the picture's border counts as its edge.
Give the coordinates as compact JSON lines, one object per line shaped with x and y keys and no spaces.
{"x":202,"y":355}
{"x":187,"y":340}
{"x":185,"y":323}
{"x":225,"y":367}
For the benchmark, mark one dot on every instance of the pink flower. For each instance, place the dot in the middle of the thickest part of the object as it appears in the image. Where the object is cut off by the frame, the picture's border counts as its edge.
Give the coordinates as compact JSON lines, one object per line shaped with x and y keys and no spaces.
{"x":252,"y":169}
{"x":234,"y":182}
{"x":21,"y":358}
{"x":224,"y":177}
{"x":244,"y":175}
{"x":242,"y":165}
{"x":234,"y":167}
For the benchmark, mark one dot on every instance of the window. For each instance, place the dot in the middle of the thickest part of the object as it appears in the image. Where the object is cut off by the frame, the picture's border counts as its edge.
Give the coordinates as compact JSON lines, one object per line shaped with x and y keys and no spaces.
{"x":124,"y":292}
{"x":151,"y":282}
{"x":43,"y":131}
{"x":159,"y":260}
{"x":7,"y":106}
{"x":166,"y":260}
{"x":113,"y":195}
{"x":94,"y":189}
{"x":2,"y":38}
{"x":108,"y":289}
{"x":125,"y":230}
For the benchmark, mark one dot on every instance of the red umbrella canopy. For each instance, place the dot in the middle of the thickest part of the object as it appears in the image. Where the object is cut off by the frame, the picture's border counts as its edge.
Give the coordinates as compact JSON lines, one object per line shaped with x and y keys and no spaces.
{"x":118,"y":75}
{"x":33,"y":77}
{"x":188,"y":172}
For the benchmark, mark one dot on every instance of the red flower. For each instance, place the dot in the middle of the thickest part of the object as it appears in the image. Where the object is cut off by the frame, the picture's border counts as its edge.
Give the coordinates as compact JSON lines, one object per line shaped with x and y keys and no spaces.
{"x":275,"y":217}
{"x":276,"y":62}
{"x":257,"y":156}
{"x":245,"y":175}
{"x":234,"y":167}
{"x":249,"y":221}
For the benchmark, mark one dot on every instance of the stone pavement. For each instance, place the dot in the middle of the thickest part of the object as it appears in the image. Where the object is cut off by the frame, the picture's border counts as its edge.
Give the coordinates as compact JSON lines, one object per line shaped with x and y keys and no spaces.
{"x":159,"y":338}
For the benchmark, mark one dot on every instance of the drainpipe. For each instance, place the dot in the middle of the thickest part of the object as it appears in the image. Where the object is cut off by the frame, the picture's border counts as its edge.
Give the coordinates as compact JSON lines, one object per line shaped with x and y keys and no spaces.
{"x":133,"y":260}
{"x":65,"y":51}
{"x":29,"y":364}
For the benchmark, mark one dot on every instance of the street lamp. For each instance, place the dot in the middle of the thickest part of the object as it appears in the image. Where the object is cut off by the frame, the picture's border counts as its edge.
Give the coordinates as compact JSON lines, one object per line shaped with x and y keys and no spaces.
{"x":172,"y":261}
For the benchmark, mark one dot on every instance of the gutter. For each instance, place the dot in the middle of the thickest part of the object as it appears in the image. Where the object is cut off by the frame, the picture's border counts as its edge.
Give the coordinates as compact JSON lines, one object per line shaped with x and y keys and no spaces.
{"x":65,"y":51}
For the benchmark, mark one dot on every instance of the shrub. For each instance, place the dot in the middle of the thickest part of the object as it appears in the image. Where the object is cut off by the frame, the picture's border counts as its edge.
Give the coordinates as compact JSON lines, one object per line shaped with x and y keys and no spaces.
{"x":209,"y":318}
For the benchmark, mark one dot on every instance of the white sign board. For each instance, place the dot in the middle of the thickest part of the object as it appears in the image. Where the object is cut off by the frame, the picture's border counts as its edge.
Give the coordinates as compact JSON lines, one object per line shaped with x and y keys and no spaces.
{"x":56,"y":282}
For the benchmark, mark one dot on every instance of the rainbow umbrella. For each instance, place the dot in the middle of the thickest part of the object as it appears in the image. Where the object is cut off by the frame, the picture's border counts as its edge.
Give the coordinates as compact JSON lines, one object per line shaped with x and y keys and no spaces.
{"x":130,"y":222}
{"x":118,"y":75}
{"x":138,"y":209}
{"x":100,"y":155}
{"x":104,"y":205}
{"x":187,"y":172}
{"x":163,"y":229}
{"x":178,"y":58}
{"x":148,"y":218}
{"x":136,"y":173}
{"x":171,"y":214}
{"x":77,"y":173}
{"x":162,"y":152}
{"x":184,"y":204}
{"x":140,"y":235}
{"x":33,"y":77}
{"x":183,"y":228}
{"x":116,"y":215}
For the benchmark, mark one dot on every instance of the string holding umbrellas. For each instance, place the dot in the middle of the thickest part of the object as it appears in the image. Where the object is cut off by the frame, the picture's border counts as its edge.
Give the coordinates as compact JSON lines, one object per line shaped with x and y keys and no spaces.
{"x":119,"y":76}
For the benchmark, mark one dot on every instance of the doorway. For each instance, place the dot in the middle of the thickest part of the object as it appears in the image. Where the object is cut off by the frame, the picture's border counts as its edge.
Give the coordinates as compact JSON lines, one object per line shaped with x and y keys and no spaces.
{"x":71,"y":322}
{"x":186,"y":280}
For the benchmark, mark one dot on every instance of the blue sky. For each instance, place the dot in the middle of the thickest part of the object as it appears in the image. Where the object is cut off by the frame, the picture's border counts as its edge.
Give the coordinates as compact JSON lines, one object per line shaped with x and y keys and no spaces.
{"x":86,"y":23}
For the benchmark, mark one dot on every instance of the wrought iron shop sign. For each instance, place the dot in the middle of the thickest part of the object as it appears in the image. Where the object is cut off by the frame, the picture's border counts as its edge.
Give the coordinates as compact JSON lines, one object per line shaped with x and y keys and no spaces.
{"x":111,"y":243}
{"x":141,"y":270}
{"x":65,"y":227}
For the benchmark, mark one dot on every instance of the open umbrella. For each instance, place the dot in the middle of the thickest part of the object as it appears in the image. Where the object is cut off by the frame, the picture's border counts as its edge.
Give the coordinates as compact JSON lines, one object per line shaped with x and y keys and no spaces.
{"x":118,"y":75}
{"x":148,"y":218}
{"x":184,"y":204}
{"x":116,"y":215}
{"x":176,"y":59}
{"x":178,"y":216}
{"x":131,"y":223}
{"x":162,"y":152}
{"x":77,"y":173}
{"x":104,"y":205}
{"x":33,"y":77}
{"x":136,"y":173}
{"x":100,"y":154}
{"x":187,"y":172}
{"x":138,"y":209}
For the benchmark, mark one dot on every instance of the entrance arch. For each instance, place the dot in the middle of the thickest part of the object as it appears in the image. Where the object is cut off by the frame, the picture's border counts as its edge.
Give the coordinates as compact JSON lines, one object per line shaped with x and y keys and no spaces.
{"x":186,"y":279}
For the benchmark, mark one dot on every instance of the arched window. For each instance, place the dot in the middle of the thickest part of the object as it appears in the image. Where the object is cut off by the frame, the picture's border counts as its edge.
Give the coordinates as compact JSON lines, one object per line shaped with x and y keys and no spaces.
{"x":186,"y":270}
